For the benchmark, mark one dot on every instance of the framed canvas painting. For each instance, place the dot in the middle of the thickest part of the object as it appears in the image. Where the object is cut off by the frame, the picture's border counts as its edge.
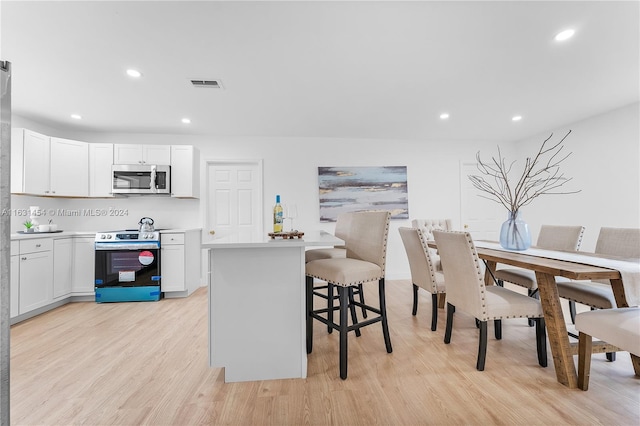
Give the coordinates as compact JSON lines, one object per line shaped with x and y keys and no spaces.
{"x":349,"y":189}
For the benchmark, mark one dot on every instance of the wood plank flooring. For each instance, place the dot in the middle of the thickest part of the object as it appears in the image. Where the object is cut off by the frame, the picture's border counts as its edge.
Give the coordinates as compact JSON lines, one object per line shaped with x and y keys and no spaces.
{"x":146,"y":364}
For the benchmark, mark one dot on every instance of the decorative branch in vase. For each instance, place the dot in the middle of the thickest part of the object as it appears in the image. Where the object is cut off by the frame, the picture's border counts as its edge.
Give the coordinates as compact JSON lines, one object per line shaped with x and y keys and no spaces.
{"x":540,"y":176}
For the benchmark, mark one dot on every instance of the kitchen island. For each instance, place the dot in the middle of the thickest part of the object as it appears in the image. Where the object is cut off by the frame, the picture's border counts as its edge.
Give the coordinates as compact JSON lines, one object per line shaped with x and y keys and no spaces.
{"x":257,"y":305}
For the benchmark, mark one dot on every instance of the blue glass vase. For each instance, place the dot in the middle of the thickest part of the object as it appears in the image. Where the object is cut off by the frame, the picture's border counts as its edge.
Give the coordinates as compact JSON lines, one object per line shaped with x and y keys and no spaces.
{"x":514,"y":233}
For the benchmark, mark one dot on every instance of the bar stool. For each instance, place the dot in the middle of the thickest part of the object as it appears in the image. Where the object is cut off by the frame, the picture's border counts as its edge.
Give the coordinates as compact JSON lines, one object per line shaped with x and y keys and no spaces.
{"x":364,"y":263}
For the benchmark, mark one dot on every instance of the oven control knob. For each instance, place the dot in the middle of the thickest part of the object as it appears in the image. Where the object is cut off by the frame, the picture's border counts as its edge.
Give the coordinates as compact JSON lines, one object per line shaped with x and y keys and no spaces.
{"x":108,"y":237}
{"x":102,"y":237}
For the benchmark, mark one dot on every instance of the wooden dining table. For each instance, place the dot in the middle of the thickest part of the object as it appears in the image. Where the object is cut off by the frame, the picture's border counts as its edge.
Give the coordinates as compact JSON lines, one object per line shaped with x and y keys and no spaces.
{"x":546,"y":269}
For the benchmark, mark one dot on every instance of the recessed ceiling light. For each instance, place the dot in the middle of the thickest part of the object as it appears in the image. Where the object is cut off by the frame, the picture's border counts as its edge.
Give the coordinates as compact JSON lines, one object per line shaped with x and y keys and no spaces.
{"x":76,"y":116}
{"x":516,"y":118}
{"x":564,"y":35}
{"x":444,"y":116}
{"x":134,"y":73}
{"x":186,"y":120}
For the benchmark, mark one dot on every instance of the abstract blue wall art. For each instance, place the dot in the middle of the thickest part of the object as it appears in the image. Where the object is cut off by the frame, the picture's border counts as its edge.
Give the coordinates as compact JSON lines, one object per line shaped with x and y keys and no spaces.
{"x":349,"y":189}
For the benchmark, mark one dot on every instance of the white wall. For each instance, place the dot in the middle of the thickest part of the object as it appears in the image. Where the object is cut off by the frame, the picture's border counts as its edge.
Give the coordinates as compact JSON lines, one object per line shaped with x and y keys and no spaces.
{"x":604,"y":164}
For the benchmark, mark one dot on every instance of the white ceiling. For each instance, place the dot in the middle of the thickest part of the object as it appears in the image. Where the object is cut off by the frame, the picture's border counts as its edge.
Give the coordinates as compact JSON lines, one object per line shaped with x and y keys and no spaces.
{"x":321,"y":69}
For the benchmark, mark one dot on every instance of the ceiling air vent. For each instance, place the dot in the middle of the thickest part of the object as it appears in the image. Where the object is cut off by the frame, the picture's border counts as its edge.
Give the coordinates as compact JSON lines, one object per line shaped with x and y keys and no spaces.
{"x":207,"y":84}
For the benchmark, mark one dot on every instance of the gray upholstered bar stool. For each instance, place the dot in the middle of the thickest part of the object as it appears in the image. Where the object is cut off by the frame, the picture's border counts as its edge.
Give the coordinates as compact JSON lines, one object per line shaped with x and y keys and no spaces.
{"x":467,"y":292}
{"x":551,"y":237}
{"x":343,"y":225}
{"x":423,"y":272}
{"x":365,"y":262}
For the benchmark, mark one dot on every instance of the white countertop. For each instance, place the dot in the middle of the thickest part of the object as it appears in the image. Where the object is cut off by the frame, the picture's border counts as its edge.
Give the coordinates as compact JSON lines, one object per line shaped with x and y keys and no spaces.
{"x":312,"y":238}
{"x":174,"y":230}
{"x":52,"y":235}
{"x":17,"y":237}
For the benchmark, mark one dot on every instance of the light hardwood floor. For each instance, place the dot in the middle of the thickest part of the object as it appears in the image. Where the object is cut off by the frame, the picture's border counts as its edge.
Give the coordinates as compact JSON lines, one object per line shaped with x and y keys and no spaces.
{"x":146,"y":363}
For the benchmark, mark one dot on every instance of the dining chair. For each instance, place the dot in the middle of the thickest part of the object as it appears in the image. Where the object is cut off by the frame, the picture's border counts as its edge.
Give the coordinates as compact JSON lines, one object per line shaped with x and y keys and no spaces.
{"x":551,"y":237}
{"x":325,"y":291}
{"x":619,"y":242}
{"x":423,"y":273}
{"x":427,"y":226}
{"x":364,"y":263}
{"x":467,"y":292}
{"x":619,"y":327}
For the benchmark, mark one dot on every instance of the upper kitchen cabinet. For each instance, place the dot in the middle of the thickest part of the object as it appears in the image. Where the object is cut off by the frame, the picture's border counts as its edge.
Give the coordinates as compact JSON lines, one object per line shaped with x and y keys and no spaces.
{"x":185,"y":175}
{"x":54,"y":167}
{"x":69,"y":168}
{"x":100,"y":162}
{"x":29,"y":162}
{"x":141,"y":154}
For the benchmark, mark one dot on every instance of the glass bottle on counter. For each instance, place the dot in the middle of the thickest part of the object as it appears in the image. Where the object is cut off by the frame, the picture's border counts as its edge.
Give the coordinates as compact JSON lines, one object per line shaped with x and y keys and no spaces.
{"x":277,"y":216}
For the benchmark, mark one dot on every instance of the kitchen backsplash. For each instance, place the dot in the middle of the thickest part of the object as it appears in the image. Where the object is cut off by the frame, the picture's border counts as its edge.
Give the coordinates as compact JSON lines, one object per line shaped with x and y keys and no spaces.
{"x":78,"y":214}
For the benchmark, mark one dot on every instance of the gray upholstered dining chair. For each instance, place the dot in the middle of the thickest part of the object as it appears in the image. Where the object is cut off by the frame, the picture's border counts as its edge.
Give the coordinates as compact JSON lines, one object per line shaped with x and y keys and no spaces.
{"x":427,"y":226}
{"x":619,"y":242}
{"x":423,"y":273}
{"x":365,"y":262}
{"x":551,"y":237}
{"x":467,"y":292}
{"x":619,"y":327}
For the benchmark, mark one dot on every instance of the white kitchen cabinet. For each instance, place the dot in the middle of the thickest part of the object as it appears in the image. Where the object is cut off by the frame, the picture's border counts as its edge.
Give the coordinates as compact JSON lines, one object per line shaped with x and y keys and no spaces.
{"x":41,"y":165}
{"x":36,"y":274}
{"x":172,"y":257}
{"x":180,"y":262}
{"x":29,"y":162}
{"x":185,"y":171}
{"x":62,"y":267}
{"x":83,"y":266}
{"x":100,"y":162}
{"x":15,"y":279}
{"x":156,"y":154}
{"x":141,"y":154}
{"x":69,"y":168}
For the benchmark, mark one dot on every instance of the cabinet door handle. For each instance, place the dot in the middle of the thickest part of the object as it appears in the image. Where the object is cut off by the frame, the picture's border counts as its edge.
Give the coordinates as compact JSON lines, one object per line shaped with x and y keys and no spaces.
{"x":38,"y":245}
{"x":23,"y":258}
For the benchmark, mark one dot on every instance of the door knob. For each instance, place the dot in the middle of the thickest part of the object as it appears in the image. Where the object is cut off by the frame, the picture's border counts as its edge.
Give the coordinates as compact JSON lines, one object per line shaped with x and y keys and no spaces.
{"x":212,"y":232}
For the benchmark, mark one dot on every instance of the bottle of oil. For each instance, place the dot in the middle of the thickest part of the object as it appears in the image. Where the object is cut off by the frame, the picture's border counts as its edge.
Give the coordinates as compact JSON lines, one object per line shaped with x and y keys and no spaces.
{"x":277,"y":216}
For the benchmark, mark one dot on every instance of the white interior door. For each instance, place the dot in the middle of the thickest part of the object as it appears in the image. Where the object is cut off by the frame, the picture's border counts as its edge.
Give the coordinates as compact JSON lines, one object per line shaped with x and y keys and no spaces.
{"x":234,"y":197}
{"x":479,"y":216}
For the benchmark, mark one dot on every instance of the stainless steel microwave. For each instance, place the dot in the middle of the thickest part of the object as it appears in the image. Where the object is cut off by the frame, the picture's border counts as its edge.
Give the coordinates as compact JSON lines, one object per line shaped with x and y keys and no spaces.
{"x":141,"y":179}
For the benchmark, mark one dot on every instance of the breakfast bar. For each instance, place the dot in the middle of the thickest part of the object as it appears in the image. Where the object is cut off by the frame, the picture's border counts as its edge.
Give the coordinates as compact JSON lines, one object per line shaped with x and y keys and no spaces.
{"x":257,"y":305}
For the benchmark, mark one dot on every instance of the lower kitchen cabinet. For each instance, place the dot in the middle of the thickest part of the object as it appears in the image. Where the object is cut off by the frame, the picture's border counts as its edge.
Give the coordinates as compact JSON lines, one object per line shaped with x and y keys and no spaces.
{"x":15,"y":279}
{"x":84,"y":260}
{"x":180,"y":262}
{"x":172,"y":264}
{"x":36,"y":274}
{"x":62,"y":267}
